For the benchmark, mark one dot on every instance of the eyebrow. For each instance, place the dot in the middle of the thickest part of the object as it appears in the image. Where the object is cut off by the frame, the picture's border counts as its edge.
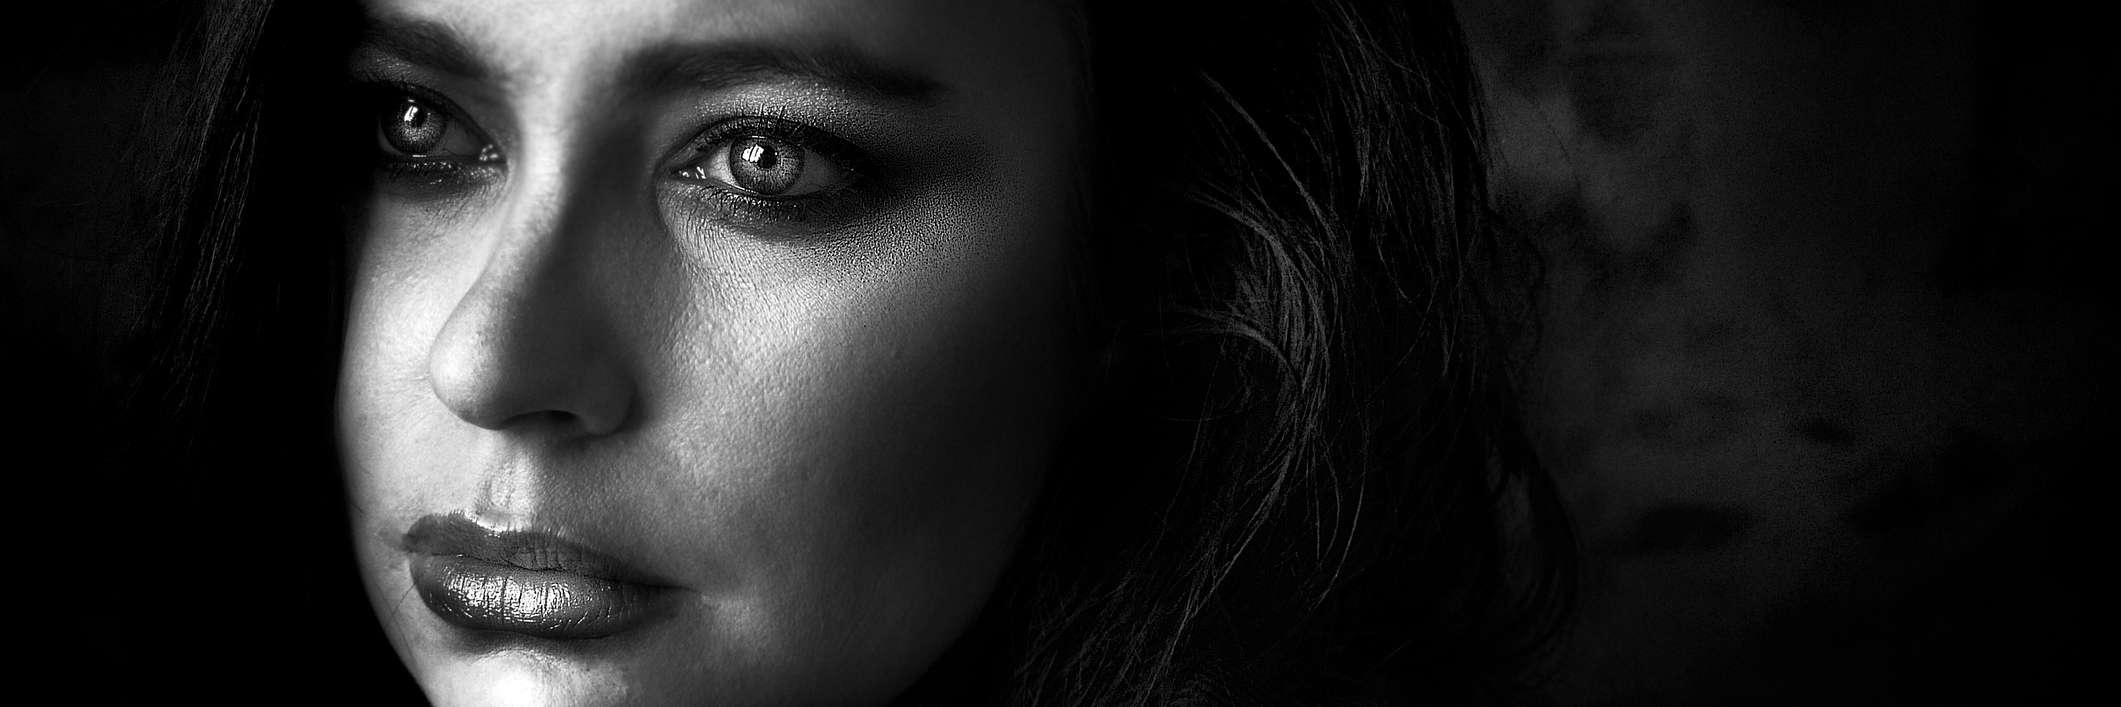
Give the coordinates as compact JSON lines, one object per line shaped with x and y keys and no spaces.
{"x":724,"y":65}
{"x":718,"y":65}
{"x":428,"y":44}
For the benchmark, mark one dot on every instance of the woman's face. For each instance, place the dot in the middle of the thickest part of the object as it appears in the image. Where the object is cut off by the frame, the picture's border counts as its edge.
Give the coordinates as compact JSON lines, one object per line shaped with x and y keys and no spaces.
{"x":703,"y":350}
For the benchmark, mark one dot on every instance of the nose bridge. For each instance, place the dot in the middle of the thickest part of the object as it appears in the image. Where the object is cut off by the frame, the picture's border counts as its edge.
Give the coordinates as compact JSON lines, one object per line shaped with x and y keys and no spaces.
{"x":530,"y":342}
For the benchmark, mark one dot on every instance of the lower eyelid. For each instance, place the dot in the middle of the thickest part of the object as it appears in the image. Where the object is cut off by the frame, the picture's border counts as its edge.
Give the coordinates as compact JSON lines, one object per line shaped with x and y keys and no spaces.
{"x":810,"y":217}
{"x":437,"y":178}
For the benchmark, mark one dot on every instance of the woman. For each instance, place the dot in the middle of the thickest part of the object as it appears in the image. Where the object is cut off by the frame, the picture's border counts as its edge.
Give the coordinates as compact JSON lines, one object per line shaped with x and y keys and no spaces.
{"x":843,"y":353}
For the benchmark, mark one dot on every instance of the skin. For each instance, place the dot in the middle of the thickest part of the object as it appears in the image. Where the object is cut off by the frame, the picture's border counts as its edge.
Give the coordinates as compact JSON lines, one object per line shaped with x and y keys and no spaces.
{"x":825,"y":430}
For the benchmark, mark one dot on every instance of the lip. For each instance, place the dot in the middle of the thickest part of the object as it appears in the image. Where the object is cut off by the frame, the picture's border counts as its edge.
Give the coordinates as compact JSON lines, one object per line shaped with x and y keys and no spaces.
{"x":524,"y":581}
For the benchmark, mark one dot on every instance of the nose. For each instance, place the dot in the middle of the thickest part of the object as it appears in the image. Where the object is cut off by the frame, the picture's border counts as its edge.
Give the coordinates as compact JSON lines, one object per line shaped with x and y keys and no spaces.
{"x":531,"y":344}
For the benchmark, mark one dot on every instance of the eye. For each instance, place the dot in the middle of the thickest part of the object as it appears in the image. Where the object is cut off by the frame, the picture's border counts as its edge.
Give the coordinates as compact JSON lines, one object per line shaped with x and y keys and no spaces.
{"x":410,"y":128}
{"x":771,"y":159}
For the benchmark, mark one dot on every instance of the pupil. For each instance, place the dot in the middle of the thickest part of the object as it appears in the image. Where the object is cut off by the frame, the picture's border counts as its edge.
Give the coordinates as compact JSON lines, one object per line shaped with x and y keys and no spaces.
{"x":412,"y":128}
{"x":764,"y":166}
{"x":760,"y":156}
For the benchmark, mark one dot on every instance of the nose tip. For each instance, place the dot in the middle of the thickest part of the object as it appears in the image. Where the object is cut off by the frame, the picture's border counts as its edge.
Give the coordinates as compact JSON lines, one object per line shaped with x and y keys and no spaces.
{"x":516,"y":353}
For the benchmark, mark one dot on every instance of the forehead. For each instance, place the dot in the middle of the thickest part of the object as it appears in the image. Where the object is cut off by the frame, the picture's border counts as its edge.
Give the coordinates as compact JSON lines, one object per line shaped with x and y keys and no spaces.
{"x":979,"y":45}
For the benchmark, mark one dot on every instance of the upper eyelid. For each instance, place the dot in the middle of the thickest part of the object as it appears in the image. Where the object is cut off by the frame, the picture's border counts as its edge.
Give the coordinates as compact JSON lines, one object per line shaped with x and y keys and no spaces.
{"x":849,"y":156}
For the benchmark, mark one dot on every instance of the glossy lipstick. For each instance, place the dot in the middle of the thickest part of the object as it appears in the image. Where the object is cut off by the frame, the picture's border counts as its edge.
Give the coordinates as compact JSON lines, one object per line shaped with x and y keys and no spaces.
{"x":526,"y":582}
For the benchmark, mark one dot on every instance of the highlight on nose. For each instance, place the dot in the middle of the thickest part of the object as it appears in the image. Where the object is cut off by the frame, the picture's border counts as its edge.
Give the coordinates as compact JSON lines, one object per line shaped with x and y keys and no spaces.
{"x":514,"y":354}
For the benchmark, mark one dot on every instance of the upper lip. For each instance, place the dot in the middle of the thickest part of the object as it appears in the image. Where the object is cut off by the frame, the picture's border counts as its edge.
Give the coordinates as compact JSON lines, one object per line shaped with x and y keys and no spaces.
{"x":457,"y":535}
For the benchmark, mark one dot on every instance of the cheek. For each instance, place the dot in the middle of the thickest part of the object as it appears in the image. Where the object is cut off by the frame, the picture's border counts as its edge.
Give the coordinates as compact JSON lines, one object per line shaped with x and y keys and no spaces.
{"x":870,"y":441}
{"x":926,"y":398}
{"x":948,"y":384}
{"x":406,"y":279}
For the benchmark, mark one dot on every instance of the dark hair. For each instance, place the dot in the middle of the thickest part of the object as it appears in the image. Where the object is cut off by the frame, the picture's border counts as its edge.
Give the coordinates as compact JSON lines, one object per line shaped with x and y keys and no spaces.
{"x":1314,"y":318}
{"x":1302,"y":479}
{"x":229,"y":430}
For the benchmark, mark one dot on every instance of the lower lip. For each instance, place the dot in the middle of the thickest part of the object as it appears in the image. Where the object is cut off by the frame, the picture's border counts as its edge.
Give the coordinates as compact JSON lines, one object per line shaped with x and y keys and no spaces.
{"x":480,"y":595}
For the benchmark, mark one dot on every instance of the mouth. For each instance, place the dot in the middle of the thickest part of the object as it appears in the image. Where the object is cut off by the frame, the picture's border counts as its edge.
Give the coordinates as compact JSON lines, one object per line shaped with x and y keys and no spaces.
{"x":525,"y":582}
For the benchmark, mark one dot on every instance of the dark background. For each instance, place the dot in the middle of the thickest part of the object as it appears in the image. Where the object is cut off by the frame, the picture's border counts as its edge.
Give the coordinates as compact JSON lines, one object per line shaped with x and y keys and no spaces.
{"x":1825,"y":372}
{"x":150,"y":568}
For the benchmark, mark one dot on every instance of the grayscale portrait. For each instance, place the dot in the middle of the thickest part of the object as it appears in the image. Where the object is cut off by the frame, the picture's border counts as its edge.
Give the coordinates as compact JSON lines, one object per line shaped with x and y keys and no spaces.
{"x":928,"y":353}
